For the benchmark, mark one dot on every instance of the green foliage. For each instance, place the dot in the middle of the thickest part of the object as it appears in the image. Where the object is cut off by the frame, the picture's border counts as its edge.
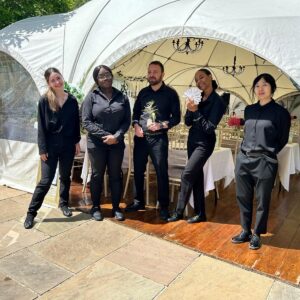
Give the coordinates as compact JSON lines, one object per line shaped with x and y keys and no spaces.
{"x":75,"y":91}
{"x":14,"y":10}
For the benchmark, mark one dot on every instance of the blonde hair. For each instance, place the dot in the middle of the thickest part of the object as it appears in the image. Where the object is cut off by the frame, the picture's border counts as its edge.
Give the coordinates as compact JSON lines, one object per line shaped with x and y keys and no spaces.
{"x":50,"y":95}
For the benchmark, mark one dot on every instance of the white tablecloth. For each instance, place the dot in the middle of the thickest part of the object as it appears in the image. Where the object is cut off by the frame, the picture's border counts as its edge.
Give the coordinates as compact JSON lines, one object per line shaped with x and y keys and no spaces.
{"x":288,"y":163}
{"x":219,"y":165}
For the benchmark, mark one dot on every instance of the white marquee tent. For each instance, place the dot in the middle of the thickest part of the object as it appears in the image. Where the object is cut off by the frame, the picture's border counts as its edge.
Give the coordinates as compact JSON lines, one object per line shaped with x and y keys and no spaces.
{"x":127,"y":35}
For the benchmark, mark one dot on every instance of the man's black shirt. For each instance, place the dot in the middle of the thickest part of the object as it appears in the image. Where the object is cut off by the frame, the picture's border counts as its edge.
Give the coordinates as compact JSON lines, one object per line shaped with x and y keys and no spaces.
{"x":165,"y":100}
{"x":266,"y":127}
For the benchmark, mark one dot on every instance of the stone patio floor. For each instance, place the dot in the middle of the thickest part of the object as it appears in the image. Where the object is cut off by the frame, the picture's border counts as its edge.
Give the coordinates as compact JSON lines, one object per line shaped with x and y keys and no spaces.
{"x":78,"y":258}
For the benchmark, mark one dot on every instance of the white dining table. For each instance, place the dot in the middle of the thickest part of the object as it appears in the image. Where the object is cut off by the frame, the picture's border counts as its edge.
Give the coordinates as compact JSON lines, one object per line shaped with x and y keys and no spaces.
{"x":220,"y":165}
{"x":288,"y":163}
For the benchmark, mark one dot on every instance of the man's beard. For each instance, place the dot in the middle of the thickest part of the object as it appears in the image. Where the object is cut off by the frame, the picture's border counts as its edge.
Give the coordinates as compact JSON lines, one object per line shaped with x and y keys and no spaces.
{"x":155,"y":81}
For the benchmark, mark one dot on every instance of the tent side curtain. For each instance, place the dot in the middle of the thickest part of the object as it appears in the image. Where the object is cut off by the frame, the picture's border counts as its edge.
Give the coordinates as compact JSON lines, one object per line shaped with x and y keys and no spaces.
{"x":18,"y":130}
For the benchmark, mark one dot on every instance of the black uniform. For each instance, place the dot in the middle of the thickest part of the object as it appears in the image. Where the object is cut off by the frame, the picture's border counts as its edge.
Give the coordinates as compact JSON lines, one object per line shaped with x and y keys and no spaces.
{"x":155,"y":144}
{"x":201,"y":143}
{"x":101,"y":117}
{"x":266,"y":132}
{"x":58,"y":132}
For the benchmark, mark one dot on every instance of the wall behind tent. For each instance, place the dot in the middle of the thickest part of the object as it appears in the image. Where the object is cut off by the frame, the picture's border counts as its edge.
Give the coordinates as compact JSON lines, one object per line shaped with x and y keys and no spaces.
{"x":18,"y":133}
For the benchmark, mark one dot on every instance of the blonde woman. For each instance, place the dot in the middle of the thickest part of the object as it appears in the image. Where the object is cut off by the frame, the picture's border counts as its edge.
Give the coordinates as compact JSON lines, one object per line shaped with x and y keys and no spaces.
{"x":58,"y":141}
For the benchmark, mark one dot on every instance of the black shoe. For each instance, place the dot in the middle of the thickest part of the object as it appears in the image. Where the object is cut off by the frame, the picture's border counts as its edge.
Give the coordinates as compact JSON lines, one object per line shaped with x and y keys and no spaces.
{"x":175,"y":217}
{"x":135,"y":206}
{"x":118,"y":214}
{"x":164,"y":214}
{"x":66,"y":211}
{"x":196,"y":219}
{"x":28,"y":223}
{"x":96,"y":215}
{"x":243,"y":237}
{"x":255,"y":242}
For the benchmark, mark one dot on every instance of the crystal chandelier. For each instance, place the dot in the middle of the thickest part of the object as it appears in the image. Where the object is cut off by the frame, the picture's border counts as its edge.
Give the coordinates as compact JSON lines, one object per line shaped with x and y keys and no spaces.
{"x":187,"y":46}
{"x":234,"y":69}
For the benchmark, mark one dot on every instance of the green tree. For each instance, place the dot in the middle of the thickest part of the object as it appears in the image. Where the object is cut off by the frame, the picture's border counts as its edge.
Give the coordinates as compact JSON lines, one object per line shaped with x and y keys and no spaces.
{"x":14,"y":10}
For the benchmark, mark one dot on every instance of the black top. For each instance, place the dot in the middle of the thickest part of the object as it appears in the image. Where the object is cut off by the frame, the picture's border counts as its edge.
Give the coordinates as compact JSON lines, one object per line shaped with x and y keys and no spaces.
{"x":58,"y":128}
{"x":205,"y":120}
{"x":101,"y":116}
{"x":266,"y":127}
{"x":166,"y":102}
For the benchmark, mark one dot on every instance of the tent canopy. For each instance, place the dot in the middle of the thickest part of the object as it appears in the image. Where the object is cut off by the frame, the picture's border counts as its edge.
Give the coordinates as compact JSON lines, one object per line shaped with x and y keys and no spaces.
{"x":106,"y":31}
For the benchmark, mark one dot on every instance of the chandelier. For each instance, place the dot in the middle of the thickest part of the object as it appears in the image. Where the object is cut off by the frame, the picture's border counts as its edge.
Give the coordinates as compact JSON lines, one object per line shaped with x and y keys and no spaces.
{"x":124,"y":88}
{"x":234,"y":69}
{"x":187,"y":46}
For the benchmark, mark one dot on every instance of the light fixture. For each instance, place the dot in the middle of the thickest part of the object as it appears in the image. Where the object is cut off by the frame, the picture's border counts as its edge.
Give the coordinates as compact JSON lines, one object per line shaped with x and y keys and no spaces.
{"x":124,"y":88}
{"x":186,"y":46}
{"x":234,"y":69}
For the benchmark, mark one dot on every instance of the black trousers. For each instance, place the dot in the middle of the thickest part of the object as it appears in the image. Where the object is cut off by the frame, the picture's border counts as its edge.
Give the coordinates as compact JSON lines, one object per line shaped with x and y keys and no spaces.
{"x":157,"y":147}
{"x":110,"y":157}
{"x":255,"y":173}
{"x":65,"y":157}
{"x":192,"y":178}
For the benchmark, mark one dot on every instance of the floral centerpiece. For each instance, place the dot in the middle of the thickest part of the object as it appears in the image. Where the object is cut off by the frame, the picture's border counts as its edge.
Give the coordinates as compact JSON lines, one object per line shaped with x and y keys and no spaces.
{"x":150,"y":111}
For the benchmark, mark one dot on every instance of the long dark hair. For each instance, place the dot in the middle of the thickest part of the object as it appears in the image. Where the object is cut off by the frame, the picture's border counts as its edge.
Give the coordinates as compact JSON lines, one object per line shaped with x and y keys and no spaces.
{"x":50,"y":95}
{"x":207,"y":72}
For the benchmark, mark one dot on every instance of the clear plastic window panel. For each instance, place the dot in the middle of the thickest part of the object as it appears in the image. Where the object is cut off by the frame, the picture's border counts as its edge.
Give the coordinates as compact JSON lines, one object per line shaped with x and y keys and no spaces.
{"x":18,"y":102}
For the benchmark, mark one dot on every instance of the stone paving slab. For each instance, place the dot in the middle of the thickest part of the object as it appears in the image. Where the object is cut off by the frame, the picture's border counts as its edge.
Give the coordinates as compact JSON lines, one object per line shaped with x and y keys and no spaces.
{"x":85,"y":244}
{"x":13,"y":237}
{"x":11,"y":210}
{"x":283,"y":291}
{"x":33,"y":271}
{"x":105,"y":280}
{"x":24,"y":199}
{"x":156,"y":259}
{"x":52,"y":222}
{"x":11,"y":290}
{"x":208,"y":278}
{"x":6,"y":192}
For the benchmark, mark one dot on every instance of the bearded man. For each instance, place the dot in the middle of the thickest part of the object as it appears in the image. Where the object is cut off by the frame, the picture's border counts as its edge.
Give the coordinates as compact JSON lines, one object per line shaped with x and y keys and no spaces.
{"x":155,"y":111}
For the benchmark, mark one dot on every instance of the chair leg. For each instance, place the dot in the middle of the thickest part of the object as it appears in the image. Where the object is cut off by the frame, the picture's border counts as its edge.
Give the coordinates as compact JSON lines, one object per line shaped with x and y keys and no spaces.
{"x":172,"y":193}
{"x":147,"y":183}
{"x":216,"y":193}
{"x":105,"y":185}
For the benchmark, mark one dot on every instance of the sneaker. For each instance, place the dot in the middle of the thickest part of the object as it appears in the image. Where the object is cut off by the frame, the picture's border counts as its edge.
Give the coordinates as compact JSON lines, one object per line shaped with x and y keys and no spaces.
{"x":66,"y":211}
{"x":243,"y":237}
{"x":28,"y":223}
{"x":96,"y":215}
{"x":135,"y":206}
{"x":255,"y":242}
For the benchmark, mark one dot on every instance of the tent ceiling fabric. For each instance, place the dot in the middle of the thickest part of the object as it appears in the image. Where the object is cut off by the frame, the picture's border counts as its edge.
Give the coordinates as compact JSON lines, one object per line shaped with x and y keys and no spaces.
{"x":106,"y":31}
{"x":180,"y":68}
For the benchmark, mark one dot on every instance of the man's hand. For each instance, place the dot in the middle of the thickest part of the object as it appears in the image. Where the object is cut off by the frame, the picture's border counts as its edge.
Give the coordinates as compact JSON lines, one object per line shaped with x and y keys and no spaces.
{"x":44,"y":157}
{"x":109,"y":140}
{"x":138,"y":131}
{"x":155,"y":126}
{"x":191,"y":106}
